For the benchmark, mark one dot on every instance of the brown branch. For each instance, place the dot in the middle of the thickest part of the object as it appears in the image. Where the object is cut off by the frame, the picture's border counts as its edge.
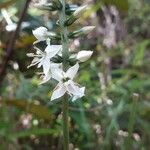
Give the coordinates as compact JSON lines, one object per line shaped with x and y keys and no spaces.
{"x":12,"y":41}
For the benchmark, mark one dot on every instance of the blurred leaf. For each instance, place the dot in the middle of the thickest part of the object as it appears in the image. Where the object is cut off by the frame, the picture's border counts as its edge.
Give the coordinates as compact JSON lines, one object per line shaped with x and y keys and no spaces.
{"x":37,"y":131}
{"x":38,"y":110}
{"x":140,"y":53}
{"x":122,"y":5}
{"x":80,"y":119}
{"x":7,"y":3}
{"x":139,"y":85}
{"x":25,"y":41}
{"x":144,"y":109}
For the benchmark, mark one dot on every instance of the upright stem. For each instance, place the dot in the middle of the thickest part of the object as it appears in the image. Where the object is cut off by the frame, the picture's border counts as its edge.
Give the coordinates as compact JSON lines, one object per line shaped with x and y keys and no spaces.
{"x":65,"y":123}
{"x":65,"y":56}
{"x":64,"y":35}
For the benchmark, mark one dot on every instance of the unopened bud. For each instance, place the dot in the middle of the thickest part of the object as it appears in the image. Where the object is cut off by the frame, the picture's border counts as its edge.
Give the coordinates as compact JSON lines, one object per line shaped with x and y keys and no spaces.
{"x":77,"y":13}
{"x":87,"y":29}
{"x":83,"y":56}
{"x":82,"y":31}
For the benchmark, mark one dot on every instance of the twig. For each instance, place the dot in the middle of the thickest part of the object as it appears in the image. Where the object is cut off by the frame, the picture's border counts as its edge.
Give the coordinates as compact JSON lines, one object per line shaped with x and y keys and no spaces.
{"x":10,"y":48}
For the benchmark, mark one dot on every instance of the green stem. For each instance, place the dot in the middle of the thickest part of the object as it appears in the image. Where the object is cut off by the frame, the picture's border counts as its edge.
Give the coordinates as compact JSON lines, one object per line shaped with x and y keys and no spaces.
{"x":65,"y":123}
{"x":64,"y":35}
{"x":65,"y":56}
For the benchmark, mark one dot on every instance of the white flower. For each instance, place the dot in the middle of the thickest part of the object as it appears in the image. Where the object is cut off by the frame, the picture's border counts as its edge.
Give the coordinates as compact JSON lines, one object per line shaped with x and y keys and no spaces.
{"x":51,"y":72}
{"x":43,"y":58}
{"x":66,"y":84}
{"x":83,"y":56}
{"x":40,"y":33}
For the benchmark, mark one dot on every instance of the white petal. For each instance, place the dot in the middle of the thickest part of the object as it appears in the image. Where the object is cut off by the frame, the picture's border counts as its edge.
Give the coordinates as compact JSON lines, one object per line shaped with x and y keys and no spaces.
{"x":48,"y":69}
{"x":82,"y":90}
{"x":34,"y":62}
{"x":56,"y":65}
{"x":72,"y":71}
{"x":57,"y":74}
{"x":59,"y":91}
{"x":40,"y":62}
{"x":84,"y":55}
{"x":46,"y":65}
{"x":56,"y":71}
{"x":73,"y":88}
{"x":40,"y":33}
{"x":52,"y":50}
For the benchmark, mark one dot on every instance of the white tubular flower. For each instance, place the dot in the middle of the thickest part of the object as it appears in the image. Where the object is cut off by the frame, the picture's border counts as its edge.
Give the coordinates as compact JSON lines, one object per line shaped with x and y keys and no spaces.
{"x":83,"y":56}
{"x":43,"y":58}
{"x":40,"y":33}
{"x":66,"y":84}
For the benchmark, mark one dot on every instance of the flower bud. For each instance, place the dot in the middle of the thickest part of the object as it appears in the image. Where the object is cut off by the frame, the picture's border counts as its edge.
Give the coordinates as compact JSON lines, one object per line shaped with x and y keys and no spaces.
{"x":77,"y":13}
{"x":83,"y":56}
{"x":87,"y":29}
{"x":40,"y":33}
{"x":82,"y":31}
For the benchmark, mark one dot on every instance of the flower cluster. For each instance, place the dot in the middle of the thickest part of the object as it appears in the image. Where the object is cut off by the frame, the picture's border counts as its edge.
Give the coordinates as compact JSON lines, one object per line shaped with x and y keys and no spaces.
{"x":51,"y":59}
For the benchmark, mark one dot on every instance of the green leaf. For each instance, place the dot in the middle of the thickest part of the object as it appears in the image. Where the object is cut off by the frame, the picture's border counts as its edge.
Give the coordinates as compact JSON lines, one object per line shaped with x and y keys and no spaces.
{"x":140,"y":53}
{"x":37,"y":131}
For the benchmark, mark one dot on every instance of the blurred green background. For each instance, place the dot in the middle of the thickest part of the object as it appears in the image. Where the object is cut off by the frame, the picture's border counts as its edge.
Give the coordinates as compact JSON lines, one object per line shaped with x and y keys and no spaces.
{"x":113,"y":115}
